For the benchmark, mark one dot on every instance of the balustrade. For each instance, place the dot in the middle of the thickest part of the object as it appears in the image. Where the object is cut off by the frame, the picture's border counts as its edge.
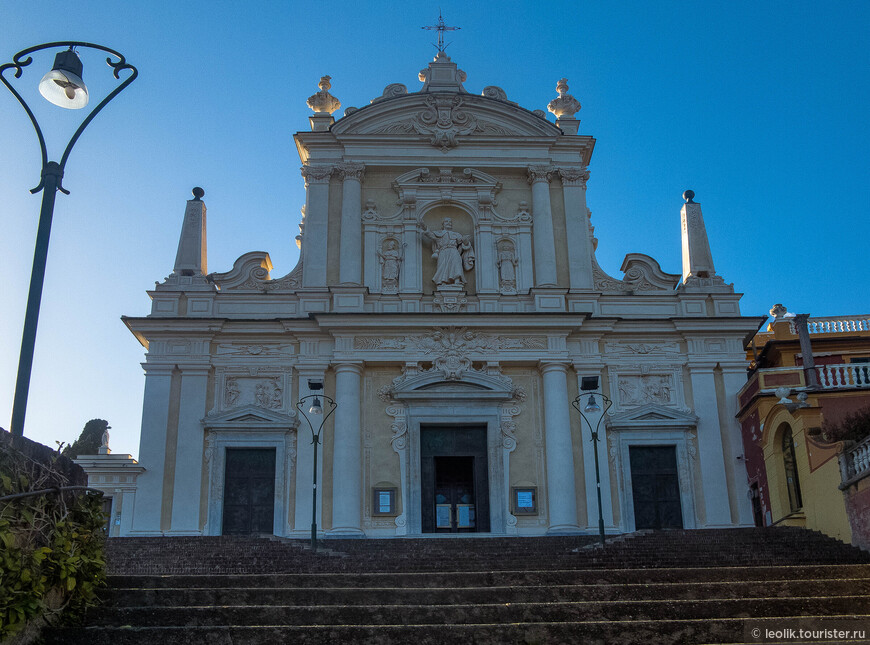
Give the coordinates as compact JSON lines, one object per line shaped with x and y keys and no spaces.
{"x":845,"y":375}
{"x":856,"y":462}
{"x":837,"y":324}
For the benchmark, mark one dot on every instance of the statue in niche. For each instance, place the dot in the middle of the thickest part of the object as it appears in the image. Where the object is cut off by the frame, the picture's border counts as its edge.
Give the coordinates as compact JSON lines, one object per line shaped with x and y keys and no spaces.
{"x":453,"y":253}
{"x":391,"y":260}
{"x":507,"y":267}
{"x":231,"y":396}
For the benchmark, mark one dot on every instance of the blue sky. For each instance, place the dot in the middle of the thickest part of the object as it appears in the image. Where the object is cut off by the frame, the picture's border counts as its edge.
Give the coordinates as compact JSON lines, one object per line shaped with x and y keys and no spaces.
{"x":760,"y":108}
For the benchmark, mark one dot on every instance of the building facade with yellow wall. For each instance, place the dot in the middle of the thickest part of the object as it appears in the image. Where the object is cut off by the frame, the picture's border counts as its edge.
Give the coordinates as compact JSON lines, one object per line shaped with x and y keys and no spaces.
{"x":795,"y":473}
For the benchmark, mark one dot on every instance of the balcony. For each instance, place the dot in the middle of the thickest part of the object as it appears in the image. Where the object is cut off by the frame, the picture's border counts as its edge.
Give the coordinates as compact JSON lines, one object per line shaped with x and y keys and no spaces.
{"x":838,"y":325}
{"x":765,"y":381}
{"x":855,"y":463}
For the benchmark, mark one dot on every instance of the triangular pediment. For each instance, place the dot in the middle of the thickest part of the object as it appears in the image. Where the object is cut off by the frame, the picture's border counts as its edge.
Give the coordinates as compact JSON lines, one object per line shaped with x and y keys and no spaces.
{"x":251,"y":416}
{"x":652,"y":415}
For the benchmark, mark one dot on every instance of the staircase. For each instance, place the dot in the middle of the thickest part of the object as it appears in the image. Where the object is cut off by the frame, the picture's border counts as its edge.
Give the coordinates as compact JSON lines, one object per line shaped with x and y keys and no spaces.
{"x":663,"y":587}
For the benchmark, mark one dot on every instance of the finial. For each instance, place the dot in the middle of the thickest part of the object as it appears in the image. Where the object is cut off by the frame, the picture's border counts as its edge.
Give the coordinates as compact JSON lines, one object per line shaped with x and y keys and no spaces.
{"x":323,"y":101}
{"x":689,"y":196}
{"x":440,"y":27}
{"x":565,"y":105}
{"x":197,"y":193}
{"x":778,"y":311}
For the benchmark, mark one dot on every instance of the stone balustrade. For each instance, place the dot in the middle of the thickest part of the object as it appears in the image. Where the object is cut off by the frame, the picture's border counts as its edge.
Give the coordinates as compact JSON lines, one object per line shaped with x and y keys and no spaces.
{"x":838,"y":324}
{"x":855,"y":463}
{"x":845,"y":375}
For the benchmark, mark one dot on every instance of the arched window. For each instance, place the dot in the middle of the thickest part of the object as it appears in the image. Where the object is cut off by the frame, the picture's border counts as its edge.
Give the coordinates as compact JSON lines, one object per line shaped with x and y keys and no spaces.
{"x":791,"y":474}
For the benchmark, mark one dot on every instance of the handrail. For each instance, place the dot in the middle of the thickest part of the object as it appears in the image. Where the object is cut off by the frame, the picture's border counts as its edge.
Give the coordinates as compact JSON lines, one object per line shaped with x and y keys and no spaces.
{"x":56,"y":489}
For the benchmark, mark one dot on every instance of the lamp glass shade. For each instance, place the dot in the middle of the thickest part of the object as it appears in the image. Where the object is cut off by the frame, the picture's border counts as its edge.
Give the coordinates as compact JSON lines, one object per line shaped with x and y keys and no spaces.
{"x":63,"y":85}
{"x":315,"y":408}
{"x":592,"y":405}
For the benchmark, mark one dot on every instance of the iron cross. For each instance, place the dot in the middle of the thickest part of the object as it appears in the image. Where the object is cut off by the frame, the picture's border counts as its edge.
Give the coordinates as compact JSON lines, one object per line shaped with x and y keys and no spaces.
{"x":441,"y":27}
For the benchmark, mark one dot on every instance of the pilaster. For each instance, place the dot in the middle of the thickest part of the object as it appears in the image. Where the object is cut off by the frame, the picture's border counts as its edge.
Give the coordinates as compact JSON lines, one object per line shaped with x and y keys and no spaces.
{"x":350,"y":262}
{"x":577,"y":228}
{"x":710,"y":451}
{"x":544,"y":240}
{"x":189,"y":451}
{"x":316,"y":215}
{"x":152,"y":449}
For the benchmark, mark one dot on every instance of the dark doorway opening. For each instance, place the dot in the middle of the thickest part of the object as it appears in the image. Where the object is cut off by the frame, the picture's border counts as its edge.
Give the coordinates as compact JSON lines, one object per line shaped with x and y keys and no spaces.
{"x":655,"y":487}
{"x":249,"y":491}
{"x":455,"y":487}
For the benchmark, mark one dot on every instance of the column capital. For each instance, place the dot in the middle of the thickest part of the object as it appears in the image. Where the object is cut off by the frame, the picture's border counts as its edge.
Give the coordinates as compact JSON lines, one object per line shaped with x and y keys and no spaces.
{"x":540,"y":173}
{"x":350,"y":170}
{"x":573,"y":176}
{"x":547,"y":366}
{"x":354,"y":367}
{"x":317,"y":173}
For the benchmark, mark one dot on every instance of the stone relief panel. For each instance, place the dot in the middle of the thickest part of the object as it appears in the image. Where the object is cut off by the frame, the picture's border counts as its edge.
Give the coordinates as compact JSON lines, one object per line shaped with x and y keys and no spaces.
{"x":644,"y":384}
{"x":650,"y":388}
{"x":262,"y":392}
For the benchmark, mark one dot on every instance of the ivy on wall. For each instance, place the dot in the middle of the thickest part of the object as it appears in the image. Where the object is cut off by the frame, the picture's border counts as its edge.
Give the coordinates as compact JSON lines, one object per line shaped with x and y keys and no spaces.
{"x":51,"y":544}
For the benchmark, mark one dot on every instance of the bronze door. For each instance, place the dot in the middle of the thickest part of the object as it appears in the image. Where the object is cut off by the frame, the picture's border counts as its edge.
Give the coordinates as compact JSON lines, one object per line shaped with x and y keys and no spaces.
{"x":655,"y":487}
{"x":454,"y":479}
{"x":249,"y":491}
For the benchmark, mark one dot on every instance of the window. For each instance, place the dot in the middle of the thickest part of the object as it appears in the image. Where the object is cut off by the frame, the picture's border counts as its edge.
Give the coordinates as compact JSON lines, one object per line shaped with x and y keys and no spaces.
{"x":789,"y":460}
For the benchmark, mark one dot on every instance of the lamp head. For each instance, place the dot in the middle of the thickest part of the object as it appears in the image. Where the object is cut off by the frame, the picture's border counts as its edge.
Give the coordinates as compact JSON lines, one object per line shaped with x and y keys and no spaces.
{"x":63,"y":85}
{"x":592,"y":405}
{"x":316,"y":408}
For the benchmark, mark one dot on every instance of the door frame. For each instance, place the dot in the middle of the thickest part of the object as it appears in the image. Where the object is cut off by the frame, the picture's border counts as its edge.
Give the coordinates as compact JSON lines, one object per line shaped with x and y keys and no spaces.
{"x":675,"y":472}
{"x":284,"y":444}
{"x":686,"y":456}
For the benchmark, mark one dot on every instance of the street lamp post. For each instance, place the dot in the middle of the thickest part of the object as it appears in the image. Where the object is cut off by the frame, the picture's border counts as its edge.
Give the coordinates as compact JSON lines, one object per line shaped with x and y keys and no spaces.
{"x":592,"y":407}
{"x":62,"y":86}
{"x":315,"y":410}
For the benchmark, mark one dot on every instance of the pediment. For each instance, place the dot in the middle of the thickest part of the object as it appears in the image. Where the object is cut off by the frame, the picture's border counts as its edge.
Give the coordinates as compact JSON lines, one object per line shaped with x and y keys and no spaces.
{"x":652,"y":415}
{"x":250,"y":416}
{"x":431,"y":115}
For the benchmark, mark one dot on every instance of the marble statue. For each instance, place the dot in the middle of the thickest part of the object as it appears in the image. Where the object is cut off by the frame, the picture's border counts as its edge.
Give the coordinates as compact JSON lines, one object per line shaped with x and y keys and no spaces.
{"x":391,"y":260}
{"x":453,"y":253}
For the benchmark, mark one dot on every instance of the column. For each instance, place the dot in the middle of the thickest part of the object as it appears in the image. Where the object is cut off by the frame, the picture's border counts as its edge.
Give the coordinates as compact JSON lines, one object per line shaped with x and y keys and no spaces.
{"x":544,"y":240}
{"x":347,"y":453}
{"x":710,"y":452}
{"x":189,"y":451}
{"x":350,"y":262}
{"x":734,"y":378}
{"x":561,"y":492}
{"x":152,"y":449}
{"x":577,"y":227}
{"x":305,"y":462}
{"x":314,"y":235}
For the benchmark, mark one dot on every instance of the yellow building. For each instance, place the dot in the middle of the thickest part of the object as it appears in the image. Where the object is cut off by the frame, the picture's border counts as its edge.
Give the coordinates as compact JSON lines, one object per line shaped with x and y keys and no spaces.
{"x":806,"y":374}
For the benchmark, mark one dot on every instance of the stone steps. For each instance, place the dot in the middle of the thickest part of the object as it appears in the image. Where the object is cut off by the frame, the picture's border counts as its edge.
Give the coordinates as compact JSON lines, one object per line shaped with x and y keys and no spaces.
{"x":669,"y":587}
{"x":323,"y":595}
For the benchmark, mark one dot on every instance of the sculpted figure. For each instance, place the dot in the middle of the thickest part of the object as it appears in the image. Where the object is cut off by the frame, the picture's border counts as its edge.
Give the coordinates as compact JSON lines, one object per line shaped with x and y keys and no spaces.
{"x":391,"y":259}
{"x":232,"y":392}
{"x":507,"y":268}
{"x":453,"y":253}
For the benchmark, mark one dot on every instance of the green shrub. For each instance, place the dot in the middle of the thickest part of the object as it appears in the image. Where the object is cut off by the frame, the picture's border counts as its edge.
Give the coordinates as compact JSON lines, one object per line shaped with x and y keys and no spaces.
{"x":51,"y":545}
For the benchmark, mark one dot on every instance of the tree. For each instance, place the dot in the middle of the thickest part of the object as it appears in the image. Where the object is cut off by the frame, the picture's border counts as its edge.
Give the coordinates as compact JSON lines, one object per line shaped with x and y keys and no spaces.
{"x":853,"y":427}
{"x":89,"y":440}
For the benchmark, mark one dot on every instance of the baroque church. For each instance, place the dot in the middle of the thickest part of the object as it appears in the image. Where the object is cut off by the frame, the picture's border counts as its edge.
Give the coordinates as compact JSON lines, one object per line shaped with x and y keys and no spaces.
{"x":448,"y":299}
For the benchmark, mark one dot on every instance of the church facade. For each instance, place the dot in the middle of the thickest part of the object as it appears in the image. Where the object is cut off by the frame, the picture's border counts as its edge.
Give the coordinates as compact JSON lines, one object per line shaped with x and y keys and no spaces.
{"x":448,"y":299}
